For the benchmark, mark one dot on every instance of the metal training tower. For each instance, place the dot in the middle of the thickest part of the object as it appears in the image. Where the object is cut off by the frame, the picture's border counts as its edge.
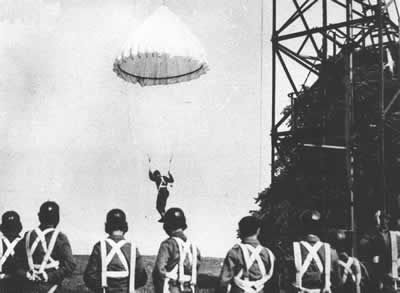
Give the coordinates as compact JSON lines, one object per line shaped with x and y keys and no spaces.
{"x":339,"y":59}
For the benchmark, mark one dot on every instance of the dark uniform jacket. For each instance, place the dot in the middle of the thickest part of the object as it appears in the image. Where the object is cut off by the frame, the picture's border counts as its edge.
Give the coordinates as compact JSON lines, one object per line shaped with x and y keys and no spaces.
{"x":234,"y":263}
{"x":350,"y":279}
{"x":158,"y":180}
{"x":371,"y":246}
{"x":92,"y":274}
{"x":381,"y":258}
{"x":9,"y":284}
{"x":313,"y":278}
{"x":62,"y":252}
{"x":167,"y":259}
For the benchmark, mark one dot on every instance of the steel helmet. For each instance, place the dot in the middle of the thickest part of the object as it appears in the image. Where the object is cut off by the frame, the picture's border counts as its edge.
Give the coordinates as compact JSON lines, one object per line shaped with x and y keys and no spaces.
{"x":116,"y":220}
{"x":174,"y":219}
{"x":338,"y":239}
{"x":311,"y":221}
{"x":49,"y":213}
{"x":10,"y":223}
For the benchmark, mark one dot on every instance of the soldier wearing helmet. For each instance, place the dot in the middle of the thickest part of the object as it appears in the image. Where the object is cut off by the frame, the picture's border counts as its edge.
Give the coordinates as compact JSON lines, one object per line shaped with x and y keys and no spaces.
{"x":178,"y":258}
{"x":312,"y":265}
{"x":352,"y":271}
{"x":383,"y":253}
{"x":44,"y":257}
{"x":162,"y":183}
{"x":248,"y":267}
{"x":10,"y":228}
{"x":114,"y":258}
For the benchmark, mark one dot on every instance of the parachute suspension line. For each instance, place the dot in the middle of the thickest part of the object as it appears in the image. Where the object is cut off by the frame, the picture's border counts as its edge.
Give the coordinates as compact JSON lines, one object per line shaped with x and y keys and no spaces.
{"x":261,"y":95}
{"x":170,"y":162}
{"x":130,"y":127}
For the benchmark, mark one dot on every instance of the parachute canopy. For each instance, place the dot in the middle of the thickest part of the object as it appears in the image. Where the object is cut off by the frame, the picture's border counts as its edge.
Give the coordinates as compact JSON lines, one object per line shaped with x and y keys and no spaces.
{"x":161,"y":51}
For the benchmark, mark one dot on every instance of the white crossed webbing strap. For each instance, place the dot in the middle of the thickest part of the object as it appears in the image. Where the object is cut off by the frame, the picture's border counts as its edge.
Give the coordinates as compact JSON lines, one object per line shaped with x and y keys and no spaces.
{"x":347,"y":269}
{"x":10,"y":249}
{"x":47,"y":262}
{"x":302,"y":267}
{"x":187,"y":250}
{"x":252,"y":255}
{"x":106,"y":259}
{"x":163,"y":183}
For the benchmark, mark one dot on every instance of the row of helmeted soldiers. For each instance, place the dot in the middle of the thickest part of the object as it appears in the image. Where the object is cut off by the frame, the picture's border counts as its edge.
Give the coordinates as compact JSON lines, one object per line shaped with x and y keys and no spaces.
{"x":42,"y":258}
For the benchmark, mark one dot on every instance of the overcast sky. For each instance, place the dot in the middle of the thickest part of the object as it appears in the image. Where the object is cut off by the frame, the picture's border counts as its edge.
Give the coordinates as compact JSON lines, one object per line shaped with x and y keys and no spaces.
{"x":73,"y":132}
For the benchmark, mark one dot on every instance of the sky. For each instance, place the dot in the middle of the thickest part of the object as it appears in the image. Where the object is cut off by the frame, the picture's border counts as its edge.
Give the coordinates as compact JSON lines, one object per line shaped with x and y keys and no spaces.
{"x":73,"y":132}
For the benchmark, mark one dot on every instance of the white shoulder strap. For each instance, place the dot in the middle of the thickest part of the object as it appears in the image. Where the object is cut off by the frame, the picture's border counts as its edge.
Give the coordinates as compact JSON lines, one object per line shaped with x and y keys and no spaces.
{"x":106,"y":259}
{"x":297,"y":264}
{"x":249,"y":260}
{"x":116,"y":250}
{"x":132,"y":269}
{"x":49,"y":250}
{"x":327,"y":270}
{"x":187,"y":250}
{"x":347,"y":269}
{"x":10,"y":249}
{"x":302,"y":267}
{"x":394,"y":237}
{"x":194,"y":264}
{"x":47,"y":261}
{"x":251,"y":255}
{"x":103,"y":254}
{"x":1,"y":252}
{"x":272,"y":260}
{"x":28,"y":250}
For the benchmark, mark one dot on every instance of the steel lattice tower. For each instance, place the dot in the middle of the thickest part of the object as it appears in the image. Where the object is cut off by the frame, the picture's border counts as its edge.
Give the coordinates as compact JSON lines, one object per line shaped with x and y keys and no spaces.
{"x":313,"y":35}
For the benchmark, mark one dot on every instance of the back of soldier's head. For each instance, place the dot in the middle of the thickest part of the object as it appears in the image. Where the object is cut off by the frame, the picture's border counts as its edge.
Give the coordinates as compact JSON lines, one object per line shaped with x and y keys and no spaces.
{"x":310,"y":222}
{"x":248,"y":226}
{"x":116,"y":221}
{"x":10,"y":223}
{"x":338,"y":239}
{"x":173,"y":220}
{"x":49,"y":214}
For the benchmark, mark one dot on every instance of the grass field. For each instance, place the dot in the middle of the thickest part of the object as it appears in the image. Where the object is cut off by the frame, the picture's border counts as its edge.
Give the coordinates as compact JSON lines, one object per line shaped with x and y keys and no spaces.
{"x":208,"y":274}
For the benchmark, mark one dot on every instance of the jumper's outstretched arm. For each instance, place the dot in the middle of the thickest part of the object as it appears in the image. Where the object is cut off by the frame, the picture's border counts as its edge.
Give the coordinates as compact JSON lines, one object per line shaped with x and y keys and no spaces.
{"x":151,"y":175}
{"x":170,"y":162}
{"x":170,"y":177}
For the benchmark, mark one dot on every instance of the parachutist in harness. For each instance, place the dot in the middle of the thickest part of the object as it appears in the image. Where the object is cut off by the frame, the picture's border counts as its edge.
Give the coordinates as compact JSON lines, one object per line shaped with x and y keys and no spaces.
{"x":44,"y":257}
{"x":178,"y":258}
{"x":162,"y":183}
{"x":115,"y":264}
{"x":248,"y":266}
{"x":10,"y":228}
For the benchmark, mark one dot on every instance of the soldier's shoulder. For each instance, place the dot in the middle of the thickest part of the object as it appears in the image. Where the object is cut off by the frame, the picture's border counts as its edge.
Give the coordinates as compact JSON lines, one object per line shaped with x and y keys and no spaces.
{"x":62,"y":237}
{"x":168,"y":242}
{"x":234,"y":250}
